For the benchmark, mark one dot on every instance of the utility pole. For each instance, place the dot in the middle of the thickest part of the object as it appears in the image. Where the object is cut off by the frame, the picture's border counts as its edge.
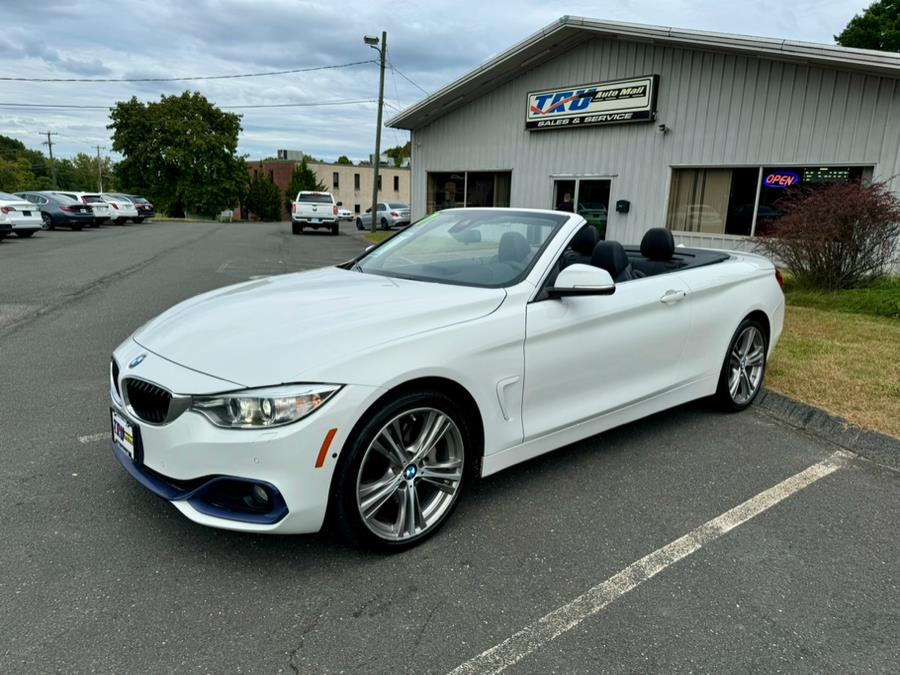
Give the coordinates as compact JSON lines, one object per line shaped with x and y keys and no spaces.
{"x":100,"y":169}
{"x":49,"y":144}
{"x":382,"y":52}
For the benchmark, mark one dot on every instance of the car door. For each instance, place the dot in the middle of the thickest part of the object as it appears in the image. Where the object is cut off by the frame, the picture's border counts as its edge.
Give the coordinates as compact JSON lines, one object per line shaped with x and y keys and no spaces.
{"x":590,"y":355}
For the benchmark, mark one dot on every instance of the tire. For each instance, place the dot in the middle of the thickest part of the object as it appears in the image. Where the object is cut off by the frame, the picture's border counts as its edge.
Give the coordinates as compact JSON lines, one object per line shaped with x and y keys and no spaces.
{"x":77,"y":227}
{"x":48,"y":221}
{"x":24,"y":234}
{"x":389,"y":525}
{"x":384,"y":224}
{"x":359,"y":225}
{"x":137,"y":220}
{"x":744,"y":367}
{"x":335,"y":229}
{"x":296,"y":228}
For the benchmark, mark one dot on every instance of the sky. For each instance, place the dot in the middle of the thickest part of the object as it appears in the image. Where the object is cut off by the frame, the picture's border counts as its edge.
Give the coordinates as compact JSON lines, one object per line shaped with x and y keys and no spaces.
{"x":430,"y":43}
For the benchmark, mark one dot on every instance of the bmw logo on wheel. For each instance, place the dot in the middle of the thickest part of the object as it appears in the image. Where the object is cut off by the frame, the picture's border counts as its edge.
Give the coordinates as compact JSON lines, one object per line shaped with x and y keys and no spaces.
{"x":137,"y":360}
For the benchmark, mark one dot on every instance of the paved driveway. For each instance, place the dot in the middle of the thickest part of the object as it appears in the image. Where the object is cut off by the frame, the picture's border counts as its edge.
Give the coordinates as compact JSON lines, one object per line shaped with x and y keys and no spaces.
{"x":689,"y":541}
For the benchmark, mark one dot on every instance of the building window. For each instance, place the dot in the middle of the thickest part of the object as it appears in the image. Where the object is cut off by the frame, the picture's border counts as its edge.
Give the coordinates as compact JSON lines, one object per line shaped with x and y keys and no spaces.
{"x":396,"y":183}
{"x":467,"y":188}
{"x":335,"y":179}
{"x":356,"y":181}
{"x":356,"y":208}
{"x":741,"y":201}
{"x":379,"y":182}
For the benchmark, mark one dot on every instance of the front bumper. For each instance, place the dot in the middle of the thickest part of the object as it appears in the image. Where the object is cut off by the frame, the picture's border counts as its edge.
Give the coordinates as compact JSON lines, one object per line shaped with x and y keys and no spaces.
{"x":181,"y":460}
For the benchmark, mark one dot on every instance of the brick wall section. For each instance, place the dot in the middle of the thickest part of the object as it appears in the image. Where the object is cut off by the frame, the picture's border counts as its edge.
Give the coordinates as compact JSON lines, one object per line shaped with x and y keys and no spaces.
{"x":356,"y":200}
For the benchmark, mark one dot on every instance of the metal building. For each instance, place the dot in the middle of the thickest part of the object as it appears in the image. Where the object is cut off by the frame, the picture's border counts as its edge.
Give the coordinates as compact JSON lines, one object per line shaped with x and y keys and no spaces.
{"x":640,"y":126}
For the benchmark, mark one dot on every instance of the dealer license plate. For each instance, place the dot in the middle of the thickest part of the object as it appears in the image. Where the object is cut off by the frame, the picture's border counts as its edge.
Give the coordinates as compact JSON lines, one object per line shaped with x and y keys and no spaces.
{"x":123,"y":434}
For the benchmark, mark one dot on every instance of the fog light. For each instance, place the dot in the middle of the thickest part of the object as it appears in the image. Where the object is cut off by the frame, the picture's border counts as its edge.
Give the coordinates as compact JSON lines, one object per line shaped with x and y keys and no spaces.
{"x":258,"y":498}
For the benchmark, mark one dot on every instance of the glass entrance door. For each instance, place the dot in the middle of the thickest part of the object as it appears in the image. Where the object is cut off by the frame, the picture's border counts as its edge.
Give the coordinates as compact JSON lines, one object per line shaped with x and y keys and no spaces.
{"x":589,"y":197}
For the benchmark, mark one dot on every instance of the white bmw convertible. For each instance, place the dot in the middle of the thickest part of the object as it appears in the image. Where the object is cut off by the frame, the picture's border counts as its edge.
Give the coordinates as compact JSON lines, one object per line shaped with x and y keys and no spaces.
{"x":371,"y":393}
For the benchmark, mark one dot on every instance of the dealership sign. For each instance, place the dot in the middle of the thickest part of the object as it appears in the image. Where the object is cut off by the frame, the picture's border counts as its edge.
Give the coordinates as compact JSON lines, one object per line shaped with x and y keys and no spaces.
{"x":582,"y":105}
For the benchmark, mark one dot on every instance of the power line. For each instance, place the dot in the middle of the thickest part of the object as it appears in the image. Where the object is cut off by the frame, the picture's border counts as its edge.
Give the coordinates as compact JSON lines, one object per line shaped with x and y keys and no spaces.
{"x":394,"y":68}
{"x":310,"y":104}
{"x":183,"y":79}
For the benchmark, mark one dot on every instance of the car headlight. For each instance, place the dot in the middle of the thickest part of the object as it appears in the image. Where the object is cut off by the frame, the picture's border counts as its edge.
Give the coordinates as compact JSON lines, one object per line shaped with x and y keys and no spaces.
{"x":262,"y":408}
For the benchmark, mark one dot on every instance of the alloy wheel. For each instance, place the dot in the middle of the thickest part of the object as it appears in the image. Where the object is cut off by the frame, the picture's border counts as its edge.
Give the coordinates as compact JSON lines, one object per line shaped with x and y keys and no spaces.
{"x":746,"y":364}
{"x":410,"y":474}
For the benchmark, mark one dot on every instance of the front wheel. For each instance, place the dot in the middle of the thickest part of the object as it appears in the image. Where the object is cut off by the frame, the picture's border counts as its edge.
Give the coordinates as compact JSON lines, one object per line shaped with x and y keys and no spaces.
{"x":399,"y":479}
{"x":744,"y":367}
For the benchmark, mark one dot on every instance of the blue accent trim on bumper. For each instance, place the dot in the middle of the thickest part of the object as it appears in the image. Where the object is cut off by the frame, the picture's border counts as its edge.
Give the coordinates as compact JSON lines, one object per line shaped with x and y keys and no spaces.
{"x":156,"y":484}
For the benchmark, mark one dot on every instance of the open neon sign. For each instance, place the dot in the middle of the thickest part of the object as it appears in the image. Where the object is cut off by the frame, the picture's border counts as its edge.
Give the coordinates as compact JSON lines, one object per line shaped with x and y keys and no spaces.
{"x":781,"y":179}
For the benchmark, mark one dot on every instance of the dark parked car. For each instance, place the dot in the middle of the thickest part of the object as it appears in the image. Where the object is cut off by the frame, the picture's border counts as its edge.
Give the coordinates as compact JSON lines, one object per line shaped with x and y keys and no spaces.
{"x":144,"y":208}
{"x":57,"y":209}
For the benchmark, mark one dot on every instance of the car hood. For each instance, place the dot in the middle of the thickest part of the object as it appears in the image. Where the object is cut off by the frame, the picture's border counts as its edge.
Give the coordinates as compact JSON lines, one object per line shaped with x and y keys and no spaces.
{"x":276,"y":329}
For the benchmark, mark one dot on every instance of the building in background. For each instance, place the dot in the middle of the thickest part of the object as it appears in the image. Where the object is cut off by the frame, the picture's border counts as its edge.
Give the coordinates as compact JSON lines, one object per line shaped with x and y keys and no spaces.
{"x":351,"y":185}
{"x":644,"y":126}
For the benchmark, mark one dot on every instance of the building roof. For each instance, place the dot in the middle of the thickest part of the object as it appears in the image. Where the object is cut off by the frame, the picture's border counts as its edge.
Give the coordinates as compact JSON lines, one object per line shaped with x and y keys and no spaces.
{"x":569,"y":31}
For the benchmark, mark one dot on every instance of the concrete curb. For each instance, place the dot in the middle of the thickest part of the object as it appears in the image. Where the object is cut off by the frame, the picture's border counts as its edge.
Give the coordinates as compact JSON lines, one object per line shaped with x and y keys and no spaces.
{"x":870,"y":444}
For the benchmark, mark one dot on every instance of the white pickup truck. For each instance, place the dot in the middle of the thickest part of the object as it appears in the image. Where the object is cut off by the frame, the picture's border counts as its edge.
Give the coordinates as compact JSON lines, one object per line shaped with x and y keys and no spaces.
{"x":314,"y":209}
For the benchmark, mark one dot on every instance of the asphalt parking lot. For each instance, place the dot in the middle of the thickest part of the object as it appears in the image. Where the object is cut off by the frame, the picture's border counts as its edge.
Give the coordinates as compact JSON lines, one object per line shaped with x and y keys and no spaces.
{"x":629,"y":552}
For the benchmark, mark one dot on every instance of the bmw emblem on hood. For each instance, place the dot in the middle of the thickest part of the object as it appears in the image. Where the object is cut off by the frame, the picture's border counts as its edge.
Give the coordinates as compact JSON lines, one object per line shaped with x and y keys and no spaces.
{"x":137,"y":360}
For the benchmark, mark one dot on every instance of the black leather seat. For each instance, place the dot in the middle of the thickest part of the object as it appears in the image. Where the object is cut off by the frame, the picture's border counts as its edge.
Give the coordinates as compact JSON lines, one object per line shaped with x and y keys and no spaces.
{"x":657,"y":248}
{"x":581,"y":248}
{"x":611,"y":256}
{"x":513,"y":248}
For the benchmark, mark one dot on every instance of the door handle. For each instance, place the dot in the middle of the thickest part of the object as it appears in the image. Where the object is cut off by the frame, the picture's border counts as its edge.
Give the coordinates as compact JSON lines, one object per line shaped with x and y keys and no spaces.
{"x":672,"y":296}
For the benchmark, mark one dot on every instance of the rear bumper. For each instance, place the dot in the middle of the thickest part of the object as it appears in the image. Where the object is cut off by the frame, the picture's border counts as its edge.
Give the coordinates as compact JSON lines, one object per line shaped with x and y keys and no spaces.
{"x":320,"y":222}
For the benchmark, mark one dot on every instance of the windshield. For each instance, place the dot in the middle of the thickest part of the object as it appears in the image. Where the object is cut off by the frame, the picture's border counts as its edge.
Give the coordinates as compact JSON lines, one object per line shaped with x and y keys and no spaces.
{"x":314,"y":198}
{"x":471,"y":247}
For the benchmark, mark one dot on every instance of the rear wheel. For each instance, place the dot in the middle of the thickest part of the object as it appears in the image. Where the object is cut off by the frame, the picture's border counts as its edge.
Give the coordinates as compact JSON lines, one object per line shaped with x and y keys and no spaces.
{"x":48,"y":221}
{"x":384,"y":224}
{"x":296,"y":228}
{"x":335,"y":229}
{"x":76,"y":227}
{"x":399,"y":479}
{"x":744,"y":367}
{"x":24,"y":233}
{"x":359,"y":224}
{"x":137,"y":220}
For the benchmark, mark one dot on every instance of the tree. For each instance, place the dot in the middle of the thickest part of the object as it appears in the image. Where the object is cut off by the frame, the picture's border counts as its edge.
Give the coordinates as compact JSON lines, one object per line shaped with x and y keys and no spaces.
{"x":180,"y":152}
{"x":878,"y":27}
{"x":302,"y":178}
{"x":15,"y":175}
{"x":263,"y":198}
{"x":836,"y":236}
{"x":399,"y":153}
{"x":344,"y":160}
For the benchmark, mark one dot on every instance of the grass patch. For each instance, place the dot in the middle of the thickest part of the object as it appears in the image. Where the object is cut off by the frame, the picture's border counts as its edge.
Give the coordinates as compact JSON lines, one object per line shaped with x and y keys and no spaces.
{"x":378,"y":236}
{"x":881,"y":298}
{"x":843,"y":362}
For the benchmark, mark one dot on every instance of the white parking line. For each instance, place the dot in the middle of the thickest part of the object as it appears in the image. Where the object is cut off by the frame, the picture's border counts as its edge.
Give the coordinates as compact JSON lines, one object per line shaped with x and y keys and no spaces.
{"x":223,"y":266}
{"x":93,"y":438}
{"x":557,"y":622}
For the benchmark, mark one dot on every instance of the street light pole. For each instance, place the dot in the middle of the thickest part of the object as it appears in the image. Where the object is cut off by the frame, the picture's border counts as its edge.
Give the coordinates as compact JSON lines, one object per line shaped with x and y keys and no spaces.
{"x":382,"y":52}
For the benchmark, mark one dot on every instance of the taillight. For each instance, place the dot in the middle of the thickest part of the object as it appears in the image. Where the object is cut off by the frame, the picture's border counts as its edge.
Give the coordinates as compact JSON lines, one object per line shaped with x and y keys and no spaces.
{"x":779,"y":278}
{"x":293,"y":207}
{"x":84,"y":200}
{"x":334,"y":210}
{"x":64,"y":208}
{"x":114,"y":206}
{"x":6,"y":209}
{"x":395,"y":214}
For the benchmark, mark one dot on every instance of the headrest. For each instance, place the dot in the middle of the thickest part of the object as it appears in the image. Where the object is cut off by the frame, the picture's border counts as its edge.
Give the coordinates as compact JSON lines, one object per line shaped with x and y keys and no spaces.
{"x":610,"y":256}
{"x":658,"y":244}
{"x":513,"y":248}
{"x":584,"y":240}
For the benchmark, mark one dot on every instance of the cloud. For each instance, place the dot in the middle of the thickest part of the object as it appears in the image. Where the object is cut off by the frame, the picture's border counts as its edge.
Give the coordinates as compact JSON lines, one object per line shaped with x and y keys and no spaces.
{"x":432,"y":44}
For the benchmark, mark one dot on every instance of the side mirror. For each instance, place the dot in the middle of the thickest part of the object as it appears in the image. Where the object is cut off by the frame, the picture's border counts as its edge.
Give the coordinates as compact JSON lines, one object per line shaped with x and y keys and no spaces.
{"x":581,"y":279}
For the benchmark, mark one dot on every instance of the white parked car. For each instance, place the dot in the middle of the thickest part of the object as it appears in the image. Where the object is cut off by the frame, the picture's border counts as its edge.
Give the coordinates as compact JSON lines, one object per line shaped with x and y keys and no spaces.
{"x":101,"y":210}
{"x":18,"y":216}
{"x":476,"y":339}
{"x":123,"y":209}
{"x":345,"y":214}
{"x":314,"y":210}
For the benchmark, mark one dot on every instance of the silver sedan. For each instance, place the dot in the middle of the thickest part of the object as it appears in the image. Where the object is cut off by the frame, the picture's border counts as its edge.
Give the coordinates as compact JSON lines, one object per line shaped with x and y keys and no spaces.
{"x":390,"y":214}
